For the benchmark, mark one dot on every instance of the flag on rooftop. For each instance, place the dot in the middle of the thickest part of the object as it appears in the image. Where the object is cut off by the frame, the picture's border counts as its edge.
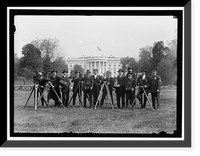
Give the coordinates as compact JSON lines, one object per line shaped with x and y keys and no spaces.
{"x":99,"y":48}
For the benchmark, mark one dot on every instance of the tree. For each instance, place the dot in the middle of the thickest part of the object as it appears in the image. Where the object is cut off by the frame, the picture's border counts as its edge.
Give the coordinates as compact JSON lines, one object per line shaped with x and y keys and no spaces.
{"x":16,"y":64}
{"x":31,"y":60}
{"x":158,"y":51}
{"x":60,"y":64}
{"x":129,"y":61}
{"x":78,"y":68}
{"x":146,"y":61}
{"x":49,"y":49}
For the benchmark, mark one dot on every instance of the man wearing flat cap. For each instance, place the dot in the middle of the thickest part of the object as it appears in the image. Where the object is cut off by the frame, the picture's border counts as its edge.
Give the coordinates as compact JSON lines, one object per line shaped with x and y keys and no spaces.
{"x":88,"y":83}
{"x":120,"y":89}
{"x":65,"y":84}
{"x":155,"y":86}
{"x":97,"y":84}
{"x":55,"y":81}
{"x":143,"y":82}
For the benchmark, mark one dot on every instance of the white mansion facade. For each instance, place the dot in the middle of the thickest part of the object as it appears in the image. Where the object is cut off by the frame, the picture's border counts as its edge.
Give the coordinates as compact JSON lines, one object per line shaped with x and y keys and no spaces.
{"x":102,"y":63}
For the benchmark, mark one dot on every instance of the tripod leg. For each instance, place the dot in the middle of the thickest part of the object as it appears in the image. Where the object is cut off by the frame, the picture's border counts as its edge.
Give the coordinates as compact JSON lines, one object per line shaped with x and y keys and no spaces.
{"x":100,"y":94}
{"x":147,"y":99}
{"x":29,"y":97}
{"x":42,"y":96}
{"x":132,"y":105}
{"x":80,"y":95}
{"x":57,"y":96}
{"x":35,"y":100}
{"x":109,"y":96}
{"x":73,"y":95}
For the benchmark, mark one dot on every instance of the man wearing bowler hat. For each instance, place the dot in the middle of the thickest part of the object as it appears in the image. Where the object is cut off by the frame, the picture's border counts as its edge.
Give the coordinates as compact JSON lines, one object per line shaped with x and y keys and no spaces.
{"x":97,"y":83}
{"x":65,"y":83}
{"x":88,"y":83}
{"x":55,"y":81}
{"x":143,"y":82}
{"x":155,"y":86}
{"x":120,"y":89}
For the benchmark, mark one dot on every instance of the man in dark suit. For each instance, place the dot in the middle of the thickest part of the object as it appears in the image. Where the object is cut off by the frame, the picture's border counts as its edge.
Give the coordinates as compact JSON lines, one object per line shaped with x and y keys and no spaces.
{"x":55,"y":81}
{"x":143,"y":82}
{"x":120,"y":89}
{"x":109,"y":81}
{"x":130,"y":88}
{"x":155,"y":86}
{"x":77,"y":88}
{"x":65,"y":83}
{"x":88,"y":83}
{"x":96,"y":86}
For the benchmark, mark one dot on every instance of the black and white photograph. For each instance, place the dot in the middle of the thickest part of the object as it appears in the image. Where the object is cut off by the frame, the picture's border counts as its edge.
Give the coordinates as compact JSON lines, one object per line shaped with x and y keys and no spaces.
{"x":95,"y":74}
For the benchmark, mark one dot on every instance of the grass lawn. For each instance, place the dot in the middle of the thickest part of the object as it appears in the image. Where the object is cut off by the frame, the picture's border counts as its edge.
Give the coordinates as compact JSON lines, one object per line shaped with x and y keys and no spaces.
{"x":104,"y":120}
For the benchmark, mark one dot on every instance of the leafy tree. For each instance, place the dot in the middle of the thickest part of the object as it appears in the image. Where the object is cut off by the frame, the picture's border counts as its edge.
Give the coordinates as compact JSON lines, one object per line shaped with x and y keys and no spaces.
{"x":146,"y":61}
{"x":59,"y":64}
{"x":49,"y":49}
{"x":158,"y":51}
{"x":129,"y":61}
{"x":31,"y":59}
{"x":16,"y":64}
{"x":78,"y":68}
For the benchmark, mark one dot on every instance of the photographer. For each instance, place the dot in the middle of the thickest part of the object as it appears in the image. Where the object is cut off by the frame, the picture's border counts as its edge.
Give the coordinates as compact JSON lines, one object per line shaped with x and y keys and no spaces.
{"x":55,"y":81}
{"x":109,"y":81}
{"x":143,"y":82}
{"x":77,"y":88}
{"x":129,"y":88}
{"x":65,"y":83}
{"x":42,"y":84}
{"x":88,"y":86}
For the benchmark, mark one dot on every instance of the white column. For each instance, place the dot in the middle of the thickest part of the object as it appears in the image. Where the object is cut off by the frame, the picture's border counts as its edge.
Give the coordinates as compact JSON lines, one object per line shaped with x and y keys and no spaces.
{"x":106,"y":66}
{"x":95,"y":65}
{"x":103,"y":67}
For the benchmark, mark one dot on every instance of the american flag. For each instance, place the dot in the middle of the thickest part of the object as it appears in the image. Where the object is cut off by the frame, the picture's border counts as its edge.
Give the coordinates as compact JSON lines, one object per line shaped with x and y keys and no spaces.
{"x":99,"y":48}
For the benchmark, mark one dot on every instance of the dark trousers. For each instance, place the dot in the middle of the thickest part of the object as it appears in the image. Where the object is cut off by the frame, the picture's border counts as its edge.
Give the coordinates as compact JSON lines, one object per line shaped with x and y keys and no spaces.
{"x":129,"y":98}
{"x":142,"y":97}
{"x":104,"y":95}
{"x":88,"y":95}
{"x":120,"y":95}
{"x":78,"y":91}
{"x":39,"y":92}
{"x":65,"y":98}
{"x":54,"y":96}
{"x":95,"y":94}
{"x":155,"y":97}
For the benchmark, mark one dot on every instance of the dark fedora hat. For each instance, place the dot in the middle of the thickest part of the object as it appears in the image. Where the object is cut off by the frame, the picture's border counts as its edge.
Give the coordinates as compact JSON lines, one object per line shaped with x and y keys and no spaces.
{"x":153,"y":69}
{"x":88,"y":71}
{"x":65,"y":71}
{"x":95,"y":69}
{"x":120,"y":70}
{"x":130,"y":73}
{"x":76,"y":72}
{"x":129,"y":67}
{"x":143,"y":70}
{"x":108,"y":71}
{"x":54,"y":71}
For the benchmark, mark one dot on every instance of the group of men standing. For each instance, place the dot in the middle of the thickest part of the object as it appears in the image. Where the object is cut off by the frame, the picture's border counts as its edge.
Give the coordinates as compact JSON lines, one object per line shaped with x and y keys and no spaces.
{"x":91,"y":85}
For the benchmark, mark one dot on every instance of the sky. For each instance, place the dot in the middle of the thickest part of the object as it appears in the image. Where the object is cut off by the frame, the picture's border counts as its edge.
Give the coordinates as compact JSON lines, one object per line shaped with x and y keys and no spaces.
{"x":119,"y":36}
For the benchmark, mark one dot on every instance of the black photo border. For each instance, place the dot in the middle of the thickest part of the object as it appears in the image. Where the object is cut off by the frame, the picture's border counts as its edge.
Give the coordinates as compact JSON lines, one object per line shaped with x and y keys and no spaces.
{"x":114,"y":143}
